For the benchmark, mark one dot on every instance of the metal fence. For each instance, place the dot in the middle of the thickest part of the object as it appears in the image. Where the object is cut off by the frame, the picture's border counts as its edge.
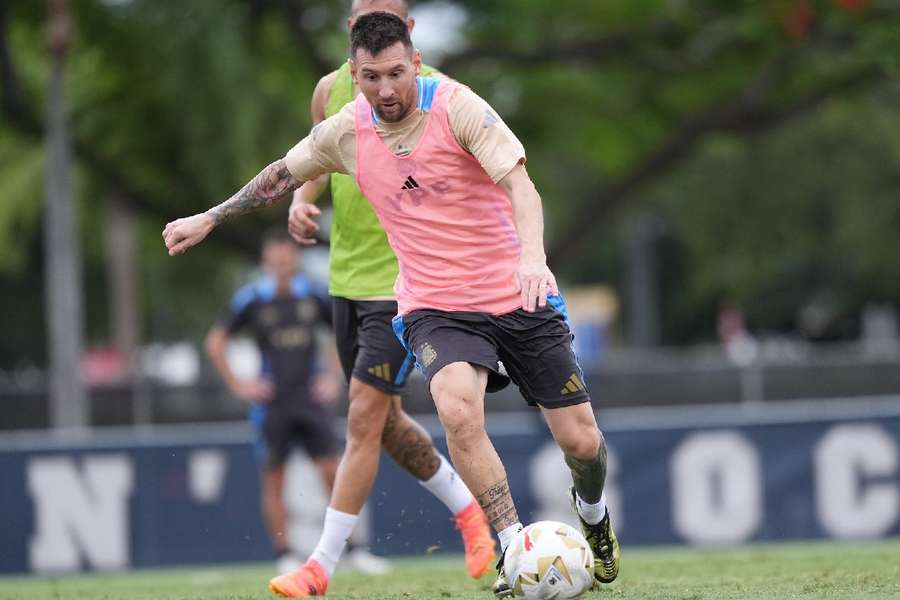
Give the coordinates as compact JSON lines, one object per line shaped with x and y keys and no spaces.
{"x":624,"y":379}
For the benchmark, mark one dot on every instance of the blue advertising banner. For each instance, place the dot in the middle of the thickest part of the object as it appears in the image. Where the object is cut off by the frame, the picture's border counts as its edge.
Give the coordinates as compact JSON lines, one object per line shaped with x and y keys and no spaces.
{"x":189,"y":495}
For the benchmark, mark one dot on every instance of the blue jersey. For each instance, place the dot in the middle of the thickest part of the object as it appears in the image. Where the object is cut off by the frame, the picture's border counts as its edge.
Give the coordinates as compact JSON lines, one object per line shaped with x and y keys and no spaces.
{"x":283,"y":326}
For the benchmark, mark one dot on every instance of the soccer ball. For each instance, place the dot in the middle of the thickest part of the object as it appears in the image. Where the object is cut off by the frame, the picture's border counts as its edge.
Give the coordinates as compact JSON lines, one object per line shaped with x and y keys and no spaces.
{"x":549,"y":560}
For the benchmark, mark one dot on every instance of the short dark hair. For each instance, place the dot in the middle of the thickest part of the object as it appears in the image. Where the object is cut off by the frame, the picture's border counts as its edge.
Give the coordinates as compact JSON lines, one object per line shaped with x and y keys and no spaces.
{"x":276,"y":234}
{"x":377,"y":31}
{"x":405,"y":5}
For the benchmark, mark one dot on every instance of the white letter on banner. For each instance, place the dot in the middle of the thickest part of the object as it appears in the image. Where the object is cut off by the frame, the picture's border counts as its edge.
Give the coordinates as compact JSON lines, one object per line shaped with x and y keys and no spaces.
{"x":85,"y":512}
{"x":206,"y":475}
{"x":716,"y":488}
{"x":550,"y":480}
{"x":847,"y":507}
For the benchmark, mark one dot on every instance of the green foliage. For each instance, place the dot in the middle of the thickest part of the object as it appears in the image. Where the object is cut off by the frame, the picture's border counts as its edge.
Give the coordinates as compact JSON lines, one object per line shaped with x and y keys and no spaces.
{"x":776,"y":221}
{"x":21,"y":171}
{"x":766,"y":140}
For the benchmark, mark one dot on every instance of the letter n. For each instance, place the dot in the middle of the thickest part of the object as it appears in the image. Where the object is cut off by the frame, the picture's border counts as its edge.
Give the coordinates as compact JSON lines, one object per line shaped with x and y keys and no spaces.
{"x":80,"y":513}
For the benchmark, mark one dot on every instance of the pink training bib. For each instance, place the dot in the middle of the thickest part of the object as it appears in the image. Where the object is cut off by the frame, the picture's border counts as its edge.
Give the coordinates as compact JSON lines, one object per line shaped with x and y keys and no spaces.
{"x":449,"y":224}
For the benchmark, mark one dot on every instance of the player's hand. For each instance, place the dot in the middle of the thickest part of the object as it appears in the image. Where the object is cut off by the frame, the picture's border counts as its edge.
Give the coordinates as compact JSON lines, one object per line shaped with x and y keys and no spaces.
{"x":255,"y":391}
{"x":326,"y":388}
{"x":533,"y":281}
{"x":301,"y":222}
{"x":181,"y":234}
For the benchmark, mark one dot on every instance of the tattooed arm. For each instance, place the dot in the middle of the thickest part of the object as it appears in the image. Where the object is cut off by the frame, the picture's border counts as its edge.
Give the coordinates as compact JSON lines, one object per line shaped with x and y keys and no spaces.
{"x":265,"y":189}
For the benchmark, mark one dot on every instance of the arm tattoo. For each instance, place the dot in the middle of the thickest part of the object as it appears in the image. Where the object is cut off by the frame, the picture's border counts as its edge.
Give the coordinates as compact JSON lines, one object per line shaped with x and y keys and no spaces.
{"x":265,"y":189}
{"x":498,"y":506}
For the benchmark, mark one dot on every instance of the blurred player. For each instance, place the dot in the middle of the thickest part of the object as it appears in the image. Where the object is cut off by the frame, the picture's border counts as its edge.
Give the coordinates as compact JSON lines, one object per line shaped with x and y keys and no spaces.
{"x":476,"y":300}
{"x":293,"y":401}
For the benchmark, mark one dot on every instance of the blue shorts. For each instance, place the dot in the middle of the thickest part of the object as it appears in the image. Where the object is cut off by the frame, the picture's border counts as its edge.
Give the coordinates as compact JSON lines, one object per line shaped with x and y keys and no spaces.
{"x":278,"y":431}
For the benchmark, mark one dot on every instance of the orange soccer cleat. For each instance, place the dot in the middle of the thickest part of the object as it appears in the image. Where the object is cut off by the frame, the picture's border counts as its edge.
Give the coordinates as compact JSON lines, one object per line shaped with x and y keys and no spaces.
{"x":477,"y":539}
{"x":309,"y":580}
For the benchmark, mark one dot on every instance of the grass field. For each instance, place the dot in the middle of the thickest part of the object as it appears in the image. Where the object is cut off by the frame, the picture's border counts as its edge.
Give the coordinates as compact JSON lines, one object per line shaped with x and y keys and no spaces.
{"x":796,"y":571}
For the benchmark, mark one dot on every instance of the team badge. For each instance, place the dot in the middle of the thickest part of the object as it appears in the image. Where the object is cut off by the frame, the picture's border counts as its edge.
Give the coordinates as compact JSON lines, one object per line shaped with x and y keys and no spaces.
{"x":427,"y":354}
{"x":268,"y":315}
{"x":306,"y":310}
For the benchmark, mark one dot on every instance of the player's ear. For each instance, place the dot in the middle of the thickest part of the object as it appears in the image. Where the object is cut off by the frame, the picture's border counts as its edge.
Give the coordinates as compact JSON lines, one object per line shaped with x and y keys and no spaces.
{"x":352,"y":64}
{"x":417,"y":61}
{"x":349,"y":23}
{"x":410,"y":24}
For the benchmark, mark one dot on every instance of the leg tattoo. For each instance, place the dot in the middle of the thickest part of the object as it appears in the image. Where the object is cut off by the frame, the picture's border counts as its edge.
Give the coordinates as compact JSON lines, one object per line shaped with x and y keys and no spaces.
{"x":589,"y":475}
{"x":410,"y":445}
{"x":498,"y":506}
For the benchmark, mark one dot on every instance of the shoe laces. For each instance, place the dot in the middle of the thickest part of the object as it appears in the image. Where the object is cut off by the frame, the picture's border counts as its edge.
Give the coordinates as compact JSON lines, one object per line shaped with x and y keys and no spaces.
{"x":600,"y":531}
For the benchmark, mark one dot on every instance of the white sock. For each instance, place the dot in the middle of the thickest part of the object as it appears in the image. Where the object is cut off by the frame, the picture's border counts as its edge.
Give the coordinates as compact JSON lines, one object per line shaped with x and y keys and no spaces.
{"x":335,"y":532}
{"x":448,"y":487}
{"x":507,"y":535}
{"x":591,"y":513}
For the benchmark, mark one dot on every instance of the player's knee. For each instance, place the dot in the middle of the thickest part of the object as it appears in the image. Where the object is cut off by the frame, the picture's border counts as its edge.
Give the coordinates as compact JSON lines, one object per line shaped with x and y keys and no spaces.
{"x":362,"y":430}
{"x":583,"y":442}
{"x":455,"y":383}
{"x":460,"y":417}
{"x":459,"y":402}
{"x":366,"y":415}
{"x":456,"y":408}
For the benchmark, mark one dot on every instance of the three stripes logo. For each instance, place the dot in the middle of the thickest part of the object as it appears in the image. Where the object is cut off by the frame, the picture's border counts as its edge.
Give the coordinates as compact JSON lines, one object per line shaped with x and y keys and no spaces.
{"x":574,"y":384}
{"x":410,"y":184}
{"x":382,"y":371}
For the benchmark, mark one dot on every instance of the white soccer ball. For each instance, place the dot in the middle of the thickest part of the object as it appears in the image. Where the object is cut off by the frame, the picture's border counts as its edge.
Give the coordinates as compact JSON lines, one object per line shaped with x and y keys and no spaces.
{"x":549,"y":560}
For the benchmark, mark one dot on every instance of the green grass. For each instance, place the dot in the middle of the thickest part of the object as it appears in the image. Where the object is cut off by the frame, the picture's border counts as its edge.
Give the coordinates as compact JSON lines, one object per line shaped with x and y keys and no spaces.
{"x":797,"y":571}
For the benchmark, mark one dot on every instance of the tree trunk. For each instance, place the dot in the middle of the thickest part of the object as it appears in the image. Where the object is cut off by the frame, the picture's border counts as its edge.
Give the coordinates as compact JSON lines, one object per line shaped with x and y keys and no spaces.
{"x":62,"y":270}
{"x":122,"y":276}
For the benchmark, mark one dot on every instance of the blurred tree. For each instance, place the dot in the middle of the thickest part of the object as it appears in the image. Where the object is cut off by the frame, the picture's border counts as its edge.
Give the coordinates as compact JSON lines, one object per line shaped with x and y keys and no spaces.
{"x":692,"y":108}
{"x":172,"y":106}
{"x":622,"y":102}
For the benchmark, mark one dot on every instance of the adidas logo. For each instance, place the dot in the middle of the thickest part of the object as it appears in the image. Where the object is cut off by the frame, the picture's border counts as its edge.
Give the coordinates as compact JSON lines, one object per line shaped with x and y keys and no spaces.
{"x":382,"y":371}
{"x":411,"y":184}
{"x":574,"y":384}
{"x":412,"y":194}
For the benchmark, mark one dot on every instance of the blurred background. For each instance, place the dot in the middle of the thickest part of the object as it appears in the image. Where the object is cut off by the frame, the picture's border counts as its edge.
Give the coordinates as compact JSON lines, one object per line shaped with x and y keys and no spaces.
{"x":720,"y":191}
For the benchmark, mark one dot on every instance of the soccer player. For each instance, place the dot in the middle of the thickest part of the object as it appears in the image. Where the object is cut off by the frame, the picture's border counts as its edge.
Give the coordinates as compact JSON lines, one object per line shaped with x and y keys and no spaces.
{"x":291,"y":402}
{"x":362,"y":270}
{"x":476,"y":301}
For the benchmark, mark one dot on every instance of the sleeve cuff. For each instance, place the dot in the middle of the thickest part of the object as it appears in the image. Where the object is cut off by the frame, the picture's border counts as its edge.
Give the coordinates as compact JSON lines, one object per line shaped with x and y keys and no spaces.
{"x":507,"y":168}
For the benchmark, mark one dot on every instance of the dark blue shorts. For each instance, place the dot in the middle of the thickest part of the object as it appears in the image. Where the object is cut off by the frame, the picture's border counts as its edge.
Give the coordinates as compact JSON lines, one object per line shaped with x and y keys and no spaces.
{"x":278,"y":431}
{"x":367,"y":346}
{"x":534,"y":350}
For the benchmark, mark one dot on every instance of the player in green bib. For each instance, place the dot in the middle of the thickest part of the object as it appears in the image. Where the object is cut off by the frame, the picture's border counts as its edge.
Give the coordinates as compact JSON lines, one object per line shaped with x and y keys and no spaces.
{"x":362,"y":270}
